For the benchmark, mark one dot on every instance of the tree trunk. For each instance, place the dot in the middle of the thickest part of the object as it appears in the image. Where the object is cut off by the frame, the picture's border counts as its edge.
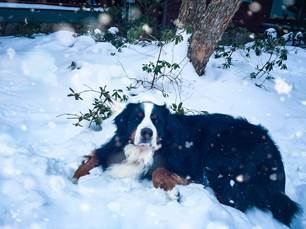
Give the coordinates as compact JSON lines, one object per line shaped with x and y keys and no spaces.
{"x":208,"y":24}
{"x":189,"y":10}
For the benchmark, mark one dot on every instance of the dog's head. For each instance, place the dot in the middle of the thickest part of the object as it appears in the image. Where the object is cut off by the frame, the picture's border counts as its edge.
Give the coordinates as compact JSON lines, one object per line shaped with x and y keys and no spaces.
{"x":143,"y":123}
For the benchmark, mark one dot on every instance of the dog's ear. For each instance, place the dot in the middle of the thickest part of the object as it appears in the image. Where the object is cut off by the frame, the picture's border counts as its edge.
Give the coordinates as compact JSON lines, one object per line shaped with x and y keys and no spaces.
{"x":122,"y":118}
{"x":174,"y":127}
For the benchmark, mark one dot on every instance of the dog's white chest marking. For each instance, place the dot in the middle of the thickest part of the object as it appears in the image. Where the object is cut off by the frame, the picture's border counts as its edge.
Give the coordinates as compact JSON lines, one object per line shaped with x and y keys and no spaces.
{"x":138,"y":161}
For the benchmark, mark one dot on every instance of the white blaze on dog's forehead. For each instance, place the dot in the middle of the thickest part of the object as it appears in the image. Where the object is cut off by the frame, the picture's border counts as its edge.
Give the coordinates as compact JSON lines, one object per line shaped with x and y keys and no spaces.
{"x":147,"y":107}
{"x":146,"y":123}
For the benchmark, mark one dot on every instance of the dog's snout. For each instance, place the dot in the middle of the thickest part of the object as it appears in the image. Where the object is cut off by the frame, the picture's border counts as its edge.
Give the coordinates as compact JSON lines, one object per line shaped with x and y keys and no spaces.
{"x":146,"y":133}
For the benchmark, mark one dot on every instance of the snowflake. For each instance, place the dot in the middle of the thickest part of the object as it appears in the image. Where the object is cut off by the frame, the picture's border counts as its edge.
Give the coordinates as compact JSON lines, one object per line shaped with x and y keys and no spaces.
{"x":85,"y":207}
{"x":273,"y":177}
{"x":51,"y":125}
{"x":147,"y":29}
{"x":24,"y":127}
{"x":299,"y":134}
{"x":10,"y":53}
{"x":255,"y":7}
{"x":240,"y":178}
{"x":282,"y":87}
{"x":105,"y":19}
{"x":188,"y":144}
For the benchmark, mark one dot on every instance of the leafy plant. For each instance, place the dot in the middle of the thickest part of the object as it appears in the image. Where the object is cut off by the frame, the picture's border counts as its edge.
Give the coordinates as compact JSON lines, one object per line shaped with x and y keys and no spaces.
{"x":226,"y":53}
{"x":271,"y":45}
{"x":178,"y":108}
{"x":106,"y":36}
{"x":161,"y":71}
{"x":277,"y":55}
{"x":181,"y":110}
{"x":101,"y":106}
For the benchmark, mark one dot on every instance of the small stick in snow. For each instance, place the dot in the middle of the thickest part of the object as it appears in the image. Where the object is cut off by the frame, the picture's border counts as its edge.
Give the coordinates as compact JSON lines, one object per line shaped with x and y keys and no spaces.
{"x":85,"y":167}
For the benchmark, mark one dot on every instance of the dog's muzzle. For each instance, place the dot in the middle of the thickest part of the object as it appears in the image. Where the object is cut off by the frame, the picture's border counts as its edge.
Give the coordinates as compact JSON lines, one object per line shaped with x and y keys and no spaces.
{"x":146,"y":135}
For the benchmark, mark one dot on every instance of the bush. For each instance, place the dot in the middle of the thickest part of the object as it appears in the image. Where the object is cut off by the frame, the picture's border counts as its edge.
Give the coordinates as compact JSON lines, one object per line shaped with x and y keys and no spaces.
{"x":101,"y":105}
{"x":270,"y":44}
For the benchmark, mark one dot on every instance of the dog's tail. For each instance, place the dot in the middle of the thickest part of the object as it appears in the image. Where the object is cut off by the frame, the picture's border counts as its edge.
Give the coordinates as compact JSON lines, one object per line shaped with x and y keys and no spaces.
{"x":283,"y":208}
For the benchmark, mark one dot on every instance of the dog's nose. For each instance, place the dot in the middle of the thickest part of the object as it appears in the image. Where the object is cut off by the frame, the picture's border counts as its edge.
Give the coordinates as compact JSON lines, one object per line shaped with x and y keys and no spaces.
{"x":146,"y":133}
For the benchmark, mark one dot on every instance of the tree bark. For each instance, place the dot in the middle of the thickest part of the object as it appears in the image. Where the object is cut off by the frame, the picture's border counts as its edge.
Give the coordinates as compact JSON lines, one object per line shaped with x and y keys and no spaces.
{"x":189,"y":10}
{"x":208,"y":24}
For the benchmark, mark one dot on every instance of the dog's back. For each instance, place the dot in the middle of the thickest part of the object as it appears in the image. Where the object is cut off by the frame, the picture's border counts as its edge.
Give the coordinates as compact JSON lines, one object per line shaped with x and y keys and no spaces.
{"x":240,"y":161}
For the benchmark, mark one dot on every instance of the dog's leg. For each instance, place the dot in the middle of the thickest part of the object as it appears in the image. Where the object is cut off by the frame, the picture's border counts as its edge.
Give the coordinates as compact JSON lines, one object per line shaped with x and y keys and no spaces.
{"x":100,"y":156}
{"x":85,"y":167}
{"x":167,"y":180}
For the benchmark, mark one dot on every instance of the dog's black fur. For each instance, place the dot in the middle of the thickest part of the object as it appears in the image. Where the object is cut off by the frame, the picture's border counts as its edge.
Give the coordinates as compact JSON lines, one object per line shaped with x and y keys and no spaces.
{"x":238,"y":160}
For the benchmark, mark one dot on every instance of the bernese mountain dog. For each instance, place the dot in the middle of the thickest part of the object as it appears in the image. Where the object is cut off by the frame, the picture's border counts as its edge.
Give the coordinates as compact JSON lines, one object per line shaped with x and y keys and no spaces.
{"x":238,"y":160}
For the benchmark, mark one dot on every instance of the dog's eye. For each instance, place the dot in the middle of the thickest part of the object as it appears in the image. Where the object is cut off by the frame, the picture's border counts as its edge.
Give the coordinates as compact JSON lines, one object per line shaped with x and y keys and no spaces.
{"x":139,"y":116}
{"x":154,"y":118}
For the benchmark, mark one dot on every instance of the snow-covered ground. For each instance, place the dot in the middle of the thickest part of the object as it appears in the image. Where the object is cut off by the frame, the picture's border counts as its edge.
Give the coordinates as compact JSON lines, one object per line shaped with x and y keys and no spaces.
{"x":39,"y":151}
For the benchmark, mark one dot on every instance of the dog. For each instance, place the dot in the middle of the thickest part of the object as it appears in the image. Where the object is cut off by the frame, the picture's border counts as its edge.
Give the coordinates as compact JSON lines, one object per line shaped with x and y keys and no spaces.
{"x":238,"y":160}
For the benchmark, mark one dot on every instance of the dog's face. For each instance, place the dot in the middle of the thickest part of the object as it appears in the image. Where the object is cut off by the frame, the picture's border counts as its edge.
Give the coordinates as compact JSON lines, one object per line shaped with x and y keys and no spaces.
{"x":143,"y":123}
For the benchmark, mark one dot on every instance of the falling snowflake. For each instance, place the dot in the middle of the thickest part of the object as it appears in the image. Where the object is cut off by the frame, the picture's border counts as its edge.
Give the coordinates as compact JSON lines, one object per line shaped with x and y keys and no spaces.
{"x":105,"y":19}
{"x":273,"y":177}
{"x":51,"y":125}
{"x":240,"y":178}
{"x":84,"y":207}
{"x":299,"y":134}
{"x":65,"y":35}
{"x":188,"y":144}
{"x":24,"y":127}
{"x":134,"y":13}
{"x":255,"y":7}
{"x":11,"y":53}
{"x":282,"y":87}
{"x":147,"y":29}
{"x":252,"y":35}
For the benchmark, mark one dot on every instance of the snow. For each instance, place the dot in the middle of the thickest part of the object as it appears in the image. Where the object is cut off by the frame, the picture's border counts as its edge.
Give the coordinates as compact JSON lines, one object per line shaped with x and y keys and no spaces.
{"x":39,"y":151}
{"x":271,"y":32}
{"x":113,"y":30}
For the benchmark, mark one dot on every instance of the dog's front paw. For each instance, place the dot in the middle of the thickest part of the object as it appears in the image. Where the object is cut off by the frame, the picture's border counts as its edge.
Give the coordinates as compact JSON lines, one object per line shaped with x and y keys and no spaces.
{"x":74,"y":180}
{"x":87,"y":165}
{"x":174,"y":194}
{"x":162,"y":178}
